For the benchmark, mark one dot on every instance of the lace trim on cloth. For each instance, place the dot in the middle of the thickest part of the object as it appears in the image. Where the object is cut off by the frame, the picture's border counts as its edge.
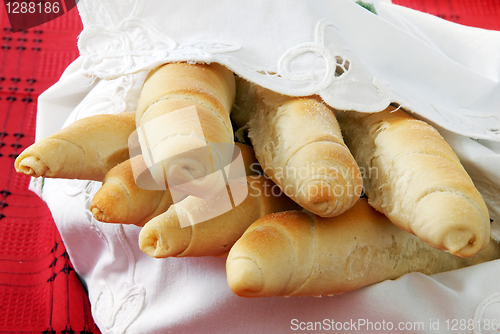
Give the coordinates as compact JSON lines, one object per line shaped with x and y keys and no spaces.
{"x":353,"y":58}
{"x":114,"y":47}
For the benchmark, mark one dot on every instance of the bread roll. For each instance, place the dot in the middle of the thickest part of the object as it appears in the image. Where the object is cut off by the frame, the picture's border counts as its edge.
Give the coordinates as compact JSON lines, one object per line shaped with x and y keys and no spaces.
{"x":122,"y":200}
{"x":299,"y":254}
{"x":163,"y":236}
{"x":182,"y":109}
{"x":86,"y":149}
{"x":413,"y":176}
{"x":299,"y":146}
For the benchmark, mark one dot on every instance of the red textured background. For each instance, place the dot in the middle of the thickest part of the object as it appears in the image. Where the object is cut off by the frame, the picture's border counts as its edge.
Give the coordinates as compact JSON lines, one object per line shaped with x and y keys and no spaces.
{"x":39,"y":290}
{"x":475,"y":13}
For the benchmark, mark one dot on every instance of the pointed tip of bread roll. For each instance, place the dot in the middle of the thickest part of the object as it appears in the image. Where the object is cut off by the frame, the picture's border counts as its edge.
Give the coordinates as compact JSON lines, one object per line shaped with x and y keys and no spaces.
{"x":330,"y":181}
{"x":244,"y":277}
{"x":152,"y":243}
{"x":451,"y":222}
{"x":326,"y":198}
{"x":459,"y":241}
{"x":319,"y":196}
{"x":99,"y":215}
{"x":163,"y":237}
{"x":111,"y":204}
{"x":261,"y":262}
{"x":52,"y":158}
{"x":31,"y":166}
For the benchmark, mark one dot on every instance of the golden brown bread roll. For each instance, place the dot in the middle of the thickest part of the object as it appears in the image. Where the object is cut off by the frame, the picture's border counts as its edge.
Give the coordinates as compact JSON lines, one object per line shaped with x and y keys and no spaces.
{"x":299,"y":254}
{"x":299,"y":146}
{"x":182,"y":109}
{"x":414,"y":177}
{"x":163,"y":236}
{"x":122,"y":200}
{"x":86,"y":149}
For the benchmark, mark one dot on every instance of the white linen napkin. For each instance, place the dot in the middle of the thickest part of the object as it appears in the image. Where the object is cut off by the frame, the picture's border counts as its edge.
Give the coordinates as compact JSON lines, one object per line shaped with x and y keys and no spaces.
{"x":445,"y":73}
{"x":354,"y":59}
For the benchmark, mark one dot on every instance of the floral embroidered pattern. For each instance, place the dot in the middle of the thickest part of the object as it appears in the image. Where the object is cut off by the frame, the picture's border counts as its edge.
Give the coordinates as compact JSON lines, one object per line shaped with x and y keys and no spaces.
{"x":349,"y":66}
{"x":116,"y":313}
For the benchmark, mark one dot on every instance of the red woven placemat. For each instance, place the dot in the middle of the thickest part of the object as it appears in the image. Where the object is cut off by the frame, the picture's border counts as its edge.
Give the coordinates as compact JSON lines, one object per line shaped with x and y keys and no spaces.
{"x":39,"y":290}
{"x":475,"y":13}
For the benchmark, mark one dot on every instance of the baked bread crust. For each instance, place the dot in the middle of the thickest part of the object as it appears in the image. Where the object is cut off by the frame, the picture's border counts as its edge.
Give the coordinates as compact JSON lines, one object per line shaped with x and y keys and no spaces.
{"x":163,"y":236}
{"x":299,"y":146}
{"x":413,"y":176}
{"x":180,"y":141}
{"x":86,"y":149}
{"x":296,"y":253}
{"x":121,"y":200}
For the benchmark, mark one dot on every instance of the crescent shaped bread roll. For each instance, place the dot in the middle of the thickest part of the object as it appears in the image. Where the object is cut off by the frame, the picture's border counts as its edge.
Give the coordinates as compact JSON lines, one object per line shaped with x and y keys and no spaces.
{"x":121,"y":200}
{"x":413,"y":176}
{"x":296,"y":253}
{"x":163,"y":236}
{"x":299,"y":146}
{"x":177,"y":139}
{"x":86,"y":149}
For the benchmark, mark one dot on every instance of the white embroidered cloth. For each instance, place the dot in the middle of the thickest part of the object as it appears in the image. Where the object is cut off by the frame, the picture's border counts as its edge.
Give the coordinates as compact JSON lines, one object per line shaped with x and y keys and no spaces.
{"x":352,"y":58}
{"x":445,"y":72}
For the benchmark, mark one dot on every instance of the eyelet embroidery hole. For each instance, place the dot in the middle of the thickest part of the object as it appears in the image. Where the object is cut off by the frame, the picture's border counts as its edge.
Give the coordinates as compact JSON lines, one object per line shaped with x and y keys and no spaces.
{"x":342,"y":66}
